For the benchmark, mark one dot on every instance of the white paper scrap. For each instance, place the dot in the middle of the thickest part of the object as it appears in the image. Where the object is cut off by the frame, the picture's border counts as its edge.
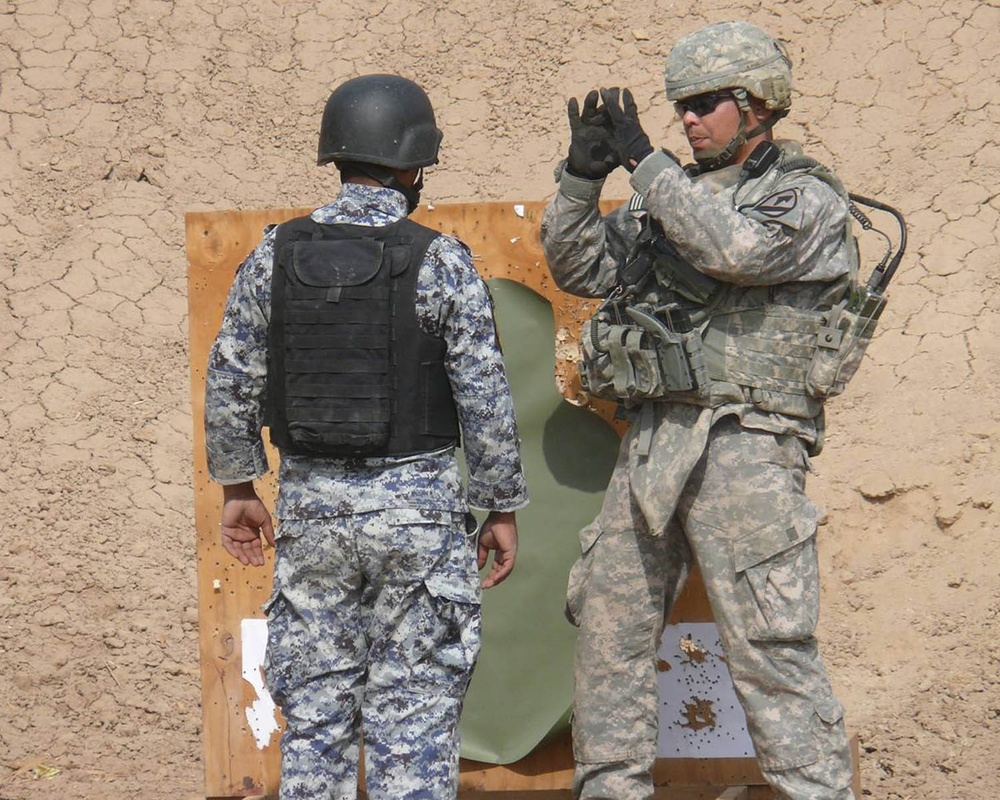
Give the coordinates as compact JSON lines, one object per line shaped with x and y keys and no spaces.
{"x":261,"y":716}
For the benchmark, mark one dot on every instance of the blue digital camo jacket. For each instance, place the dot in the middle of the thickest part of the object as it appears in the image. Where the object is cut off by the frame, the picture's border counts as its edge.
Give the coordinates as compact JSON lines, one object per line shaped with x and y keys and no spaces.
{"x":452,"y":301}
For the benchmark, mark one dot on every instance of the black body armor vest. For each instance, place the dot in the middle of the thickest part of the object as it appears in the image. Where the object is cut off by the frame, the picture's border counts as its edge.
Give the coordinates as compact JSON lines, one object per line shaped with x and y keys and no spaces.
{"x":350,"y":372}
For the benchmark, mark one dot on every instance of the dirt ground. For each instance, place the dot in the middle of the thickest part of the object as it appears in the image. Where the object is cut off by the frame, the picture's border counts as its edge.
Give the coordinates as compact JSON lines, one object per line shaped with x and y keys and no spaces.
{"x":117,"y":116}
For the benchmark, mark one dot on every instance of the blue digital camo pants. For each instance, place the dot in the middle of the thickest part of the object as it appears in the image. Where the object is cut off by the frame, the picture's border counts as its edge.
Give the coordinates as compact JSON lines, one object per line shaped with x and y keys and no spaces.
{"x":739,"y":510}
{"x":373,"y":625}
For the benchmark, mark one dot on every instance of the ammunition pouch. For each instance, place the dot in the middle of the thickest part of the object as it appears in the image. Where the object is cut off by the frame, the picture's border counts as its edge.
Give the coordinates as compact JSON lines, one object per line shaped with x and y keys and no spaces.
{"x":781,"y":359}
{"x":638,"y":352}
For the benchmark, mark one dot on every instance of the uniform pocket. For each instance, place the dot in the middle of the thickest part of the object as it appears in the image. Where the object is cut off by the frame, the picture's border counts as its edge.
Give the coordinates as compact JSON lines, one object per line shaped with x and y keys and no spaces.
{"x":276,"y":671}
{"x":830,"y":711}
{"x":457,"y":597}
{"x":454,"y":588}
{"x":778,"y":564}
{"x":456,"y":633}
{"x":814,"y":735}
{"x":576,"y":586}
{"x":828,"y":740}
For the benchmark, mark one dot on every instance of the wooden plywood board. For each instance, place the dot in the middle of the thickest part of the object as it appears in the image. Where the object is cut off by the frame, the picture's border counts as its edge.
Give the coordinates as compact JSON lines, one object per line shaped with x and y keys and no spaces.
{"x":228,"y":592}
{"x":551,"y":767}
{"x":504,"y":238}
{"x":699,"y":793}
{"x":680,"y":772}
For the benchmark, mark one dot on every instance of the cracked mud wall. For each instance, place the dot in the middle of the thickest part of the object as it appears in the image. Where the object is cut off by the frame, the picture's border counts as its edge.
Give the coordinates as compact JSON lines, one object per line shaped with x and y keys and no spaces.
{"x":117,"y":117}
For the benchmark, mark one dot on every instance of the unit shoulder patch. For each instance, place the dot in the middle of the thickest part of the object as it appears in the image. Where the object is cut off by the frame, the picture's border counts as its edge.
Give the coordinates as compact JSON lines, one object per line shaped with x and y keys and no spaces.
{"x":784,"y":206}
{"x":779,"y":203}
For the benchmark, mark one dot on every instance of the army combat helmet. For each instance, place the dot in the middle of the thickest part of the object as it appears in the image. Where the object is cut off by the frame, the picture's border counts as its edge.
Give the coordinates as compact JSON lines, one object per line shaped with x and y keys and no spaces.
{"x":734,"y":56}
{"x":374,"y":124}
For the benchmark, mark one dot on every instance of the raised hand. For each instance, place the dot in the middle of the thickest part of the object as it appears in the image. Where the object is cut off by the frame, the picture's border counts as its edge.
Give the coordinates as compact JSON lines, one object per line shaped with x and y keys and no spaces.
{"x":630,"y":140}
{"x":592,"y":153}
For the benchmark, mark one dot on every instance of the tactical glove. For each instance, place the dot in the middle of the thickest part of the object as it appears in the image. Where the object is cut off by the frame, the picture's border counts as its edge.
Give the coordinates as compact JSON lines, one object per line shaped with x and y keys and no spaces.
{"x":592,"y":153}
{"x":630,"y":140}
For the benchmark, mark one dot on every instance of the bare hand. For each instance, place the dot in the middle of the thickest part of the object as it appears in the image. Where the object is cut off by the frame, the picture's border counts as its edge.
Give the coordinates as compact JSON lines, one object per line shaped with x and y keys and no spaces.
{"x":245,"y":519}
{"x":499,"y":534}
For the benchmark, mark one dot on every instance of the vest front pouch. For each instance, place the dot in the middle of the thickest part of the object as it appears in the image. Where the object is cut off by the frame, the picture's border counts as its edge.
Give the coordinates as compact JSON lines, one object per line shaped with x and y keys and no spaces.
{"x":338,"y":386}
{"x":616,"y":363}
{"x":629,"y":353}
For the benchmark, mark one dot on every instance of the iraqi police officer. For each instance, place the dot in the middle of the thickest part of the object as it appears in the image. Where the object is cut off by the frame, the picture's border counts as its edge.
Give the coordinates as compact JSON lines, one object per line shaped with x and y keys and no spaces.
{"x":720,"y":279}
{"x":366,"y":343}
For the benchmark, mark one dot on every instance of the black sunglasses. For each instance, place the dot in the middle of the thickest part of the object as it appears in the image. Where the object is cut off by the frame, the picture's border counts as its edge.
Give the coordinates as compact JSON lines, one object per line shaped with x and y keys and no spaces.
{"x":702,"y":104}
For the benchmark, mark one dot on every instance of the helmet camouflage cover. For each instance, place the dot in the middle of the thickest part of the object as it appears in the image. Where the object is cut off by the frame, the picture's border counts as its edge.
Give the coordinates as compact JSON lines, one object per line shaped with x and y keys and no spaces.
{"x":730,"y":55}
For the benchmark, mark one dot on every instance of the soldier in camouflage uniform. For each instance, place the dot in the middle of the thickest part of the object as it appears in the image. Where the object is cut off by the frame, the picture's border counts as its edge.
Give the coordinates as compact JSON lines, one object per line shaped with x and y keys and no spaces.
{"x":374,"y":619}
{"x":724,"y":267}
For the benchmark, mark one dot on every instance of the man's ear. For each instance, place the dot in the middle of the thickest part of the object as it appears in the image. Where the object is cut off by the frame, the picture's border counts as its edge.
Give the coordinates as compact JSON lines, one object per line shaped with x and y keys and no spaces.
{"x":759,"y":110}
{"x":407,"y":177}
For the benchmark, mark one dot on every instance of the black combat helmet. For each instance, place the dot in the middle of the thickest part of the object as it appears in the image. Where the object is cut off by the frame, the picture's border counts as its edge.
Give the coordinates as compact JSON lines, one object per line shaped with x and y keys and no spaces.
{"x":379,"y":119}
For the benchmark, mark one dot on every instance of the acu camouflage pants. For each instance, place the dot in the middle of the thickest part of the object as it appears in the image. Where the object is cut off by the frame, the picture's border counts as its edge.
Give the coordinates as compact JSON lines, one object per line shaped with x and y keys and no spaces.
{"x":742,"y":514}
{"x":373,"y":623}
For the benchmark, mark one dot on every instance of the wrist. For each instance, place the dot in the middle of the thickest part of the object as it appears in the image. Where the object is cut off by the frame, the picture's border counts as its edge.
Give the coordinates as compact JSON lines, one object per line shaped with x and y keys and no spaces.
{"x":649,"y":169}
{"x":582,"y":174}
{"x":574,"y":186}
{"x":642,"y":152}
{"x":637,"y":153}
{"x":238,"y":491}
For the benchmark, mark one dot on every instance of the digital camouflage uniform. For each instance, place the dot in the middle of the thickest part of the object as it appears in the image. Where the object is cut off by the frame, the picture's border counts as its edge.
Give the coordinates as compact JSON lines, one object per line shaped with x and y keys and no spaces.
{"x":374,"y":618}
{"x":724,"y":486}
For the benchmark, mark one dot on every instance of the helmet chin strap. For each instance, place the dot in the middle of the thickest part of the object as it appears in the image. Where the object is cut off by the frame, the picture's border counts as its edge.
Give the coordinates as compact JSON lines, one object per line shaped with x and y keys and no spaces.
{"x":707,"y":162}
{"x":385,"y":176}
